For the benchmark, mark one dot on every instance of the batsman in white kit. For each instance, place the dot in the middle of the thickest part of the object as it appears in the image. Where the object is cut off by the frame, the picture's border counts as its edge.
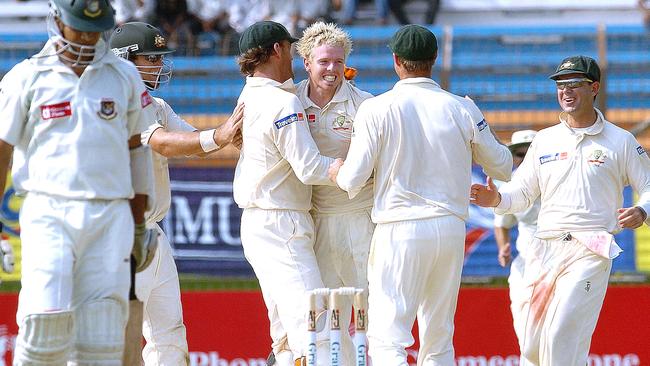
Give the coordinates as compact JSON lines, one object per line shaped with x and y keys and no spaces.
{"x":68,"y":114}
{"x":277,"y":161}
{"x":526,"y":222}
{"x":169,"y":135}
{"x":419,"y":140}
{"x":578,"y":168}
{"x":343,"y":225}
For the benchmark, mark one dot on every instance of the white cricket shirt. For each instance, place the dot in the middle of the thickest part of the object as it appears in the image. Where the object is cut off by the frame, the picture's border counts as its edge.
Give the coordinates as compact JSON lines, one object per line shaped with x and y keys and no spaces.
{"x":420,"y":141}
{"x":167,"y":119}
{"x":71,"y":133}
{"x":279,"y":157}
{"x":331,"y":128}
{"x":579,"y":175}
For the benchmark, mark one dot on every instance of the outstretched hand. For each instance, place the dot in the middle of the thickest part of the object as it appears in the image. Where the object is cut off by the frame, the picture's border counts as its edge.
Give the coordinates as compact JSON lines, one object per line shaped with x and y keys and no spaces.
{"x":630,"y":217}
{"x":227,"y":131}
{"x":485,"y":195}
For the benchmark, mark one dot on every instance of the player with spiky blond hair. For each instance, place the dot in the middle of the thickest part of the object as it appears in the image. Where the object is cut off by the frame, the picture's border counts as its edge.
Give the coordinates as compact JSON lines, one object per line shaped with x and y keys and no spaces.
{"x":343,"y":225}
{"x":319,"y":34}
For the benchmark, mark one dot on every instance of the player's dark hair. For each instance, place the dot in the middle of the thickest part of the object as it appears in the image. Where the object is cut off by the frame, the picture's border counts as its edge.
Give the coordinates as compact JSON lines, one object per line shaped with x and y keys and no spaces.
{"x":418,"y":66}
{"x":251,"y":59}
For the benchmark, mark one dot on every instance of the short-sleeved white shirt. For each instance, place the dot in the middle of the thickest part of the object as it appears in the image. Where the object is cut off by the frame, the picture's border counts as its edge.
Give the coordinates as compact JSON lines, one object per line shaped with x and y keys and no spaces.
{"x":331,"y":128}
{"x":71,"y":133}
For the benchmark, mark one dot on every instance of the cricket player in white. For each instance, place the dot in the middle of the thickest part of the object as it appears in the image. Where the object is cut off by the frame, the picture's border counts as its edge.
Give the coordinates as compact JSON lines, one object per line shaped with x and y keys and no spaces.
{"x":278,"y":158}
{"x":343,"y":225}
{"x":579,"y":168}
{"x":420,"y":141}
{"x":68,"y":114}
{"x":526,"y":222}
{"x":157,"y":286}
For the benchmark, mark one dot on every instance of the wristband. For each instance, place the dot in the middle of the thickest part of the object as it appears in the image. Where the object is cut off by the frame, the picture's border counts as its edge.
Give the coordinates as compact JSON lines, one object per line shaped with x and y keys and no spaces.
{"x":206,"y":138}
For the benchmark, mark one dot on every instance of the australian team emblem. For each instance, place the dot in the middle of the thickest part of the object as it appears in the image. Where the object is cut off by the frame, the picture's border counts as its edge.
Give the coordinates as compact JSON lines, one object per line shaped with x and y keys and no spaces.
{"x":159,"y":41}
{"x":341,"y":123}
{"x":107,"y":110}
{"x":597,"y":158}
{"x":566,"y":65}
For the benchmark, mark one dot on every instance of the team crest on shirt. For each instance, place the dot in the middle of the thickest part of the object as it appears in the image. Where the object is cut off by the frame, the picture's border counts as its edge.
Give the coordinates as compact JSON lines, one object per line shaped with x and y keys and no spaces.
{"x":311,"y":117}
{"x":92,"y":9}
{"x":107,"y":109}
{"x":341,"y":123}
{"x":596,"y":158}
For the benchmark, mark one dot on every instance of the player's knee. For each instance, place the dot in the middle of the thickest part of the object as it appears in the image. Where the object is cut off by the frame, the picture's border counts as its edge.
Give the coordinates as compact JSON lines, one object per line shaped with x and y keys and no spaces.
{"x":99,"y":333}
{"x":44,"y":339}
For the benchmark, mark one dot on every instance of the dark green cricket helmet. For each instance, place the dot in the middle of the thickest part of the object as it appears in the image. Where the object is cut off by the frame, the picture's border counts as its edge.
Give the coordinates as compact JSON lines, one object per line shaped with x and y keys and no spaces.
{"x":85,"y":15}
{"x":142,"y":39}
{"x":137,"y":38}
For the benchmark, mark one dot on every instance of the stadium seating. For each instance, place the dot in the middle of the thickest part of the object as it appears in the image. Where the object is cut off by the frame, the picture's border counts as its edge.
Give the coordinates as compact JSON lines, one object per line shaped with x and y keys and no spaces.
{"x":503,"y":68}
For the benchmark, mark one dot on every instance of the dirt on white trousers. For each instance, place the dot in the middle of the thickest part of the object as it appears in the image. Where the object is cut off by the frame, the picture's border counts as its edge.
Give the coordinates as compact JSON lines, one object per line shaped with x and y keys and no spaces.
{"x":566,"y":284}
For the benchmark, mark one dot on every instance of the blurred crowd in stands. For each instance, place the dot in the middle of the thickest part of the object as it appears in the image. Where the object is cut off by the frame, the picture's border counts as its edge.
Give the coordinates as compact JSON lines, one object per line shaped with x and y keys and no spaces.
{"x":188,"y":23}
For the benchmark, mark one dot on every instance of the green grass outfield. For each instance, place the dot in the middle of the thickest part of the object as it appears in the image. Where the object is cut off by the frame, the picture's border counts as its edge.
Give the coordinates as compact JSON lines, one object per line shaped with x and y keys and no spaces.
{"x":191,"y":282}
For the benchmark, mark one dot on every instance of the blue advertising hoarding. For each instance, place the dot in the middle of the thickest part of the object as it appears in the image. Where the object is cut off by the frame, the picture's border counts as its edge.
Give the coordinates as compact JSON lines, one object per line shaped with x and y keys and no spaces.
{"x":203,"y":225}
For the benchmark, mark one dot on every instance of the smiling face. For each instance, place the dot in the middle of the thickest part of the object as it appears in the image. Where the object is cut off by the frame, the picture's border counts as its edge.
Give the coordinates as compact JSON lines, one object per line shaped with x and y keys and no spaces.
{"x":577,"y":96}
{"x":325,"y":67}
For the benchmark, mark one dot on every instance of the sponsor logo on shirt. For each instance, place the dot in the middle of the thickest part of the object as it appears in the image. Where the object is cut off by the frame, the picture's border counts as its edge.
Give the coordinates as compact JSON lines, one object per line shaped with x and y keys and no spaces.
{"x":145,"y":99}
{"x":56,"y":110}
{"x":481,"y":125}
{"x":311,"y":118}
{"x":107,"y":110}
{"x":552,"y":157}
{"x":597,"y":158}
{"x":288,"y":120}
{"x":640,"y":150}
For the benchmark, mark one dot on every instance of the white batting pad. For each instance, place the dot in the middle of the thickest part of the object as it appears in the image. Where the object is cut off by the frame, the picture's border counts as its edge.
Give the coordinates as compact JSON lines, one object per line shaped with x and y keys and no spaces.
{"x":99,"y":339}
{"x":44,"y":339}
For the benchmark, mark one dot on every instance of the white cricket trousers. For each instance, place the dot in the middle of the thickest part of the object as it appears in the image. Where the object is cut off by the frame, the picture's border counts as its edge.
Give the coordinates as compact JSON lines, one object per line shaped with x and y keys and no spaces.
{"x":414,"y":271}
{"x":158,"y":288}
{"x":566,"y":284}
{"x":517,"y":286}
{"x":75,"y":252}
{"x":279,"y":245}
{"x":342,"y":247}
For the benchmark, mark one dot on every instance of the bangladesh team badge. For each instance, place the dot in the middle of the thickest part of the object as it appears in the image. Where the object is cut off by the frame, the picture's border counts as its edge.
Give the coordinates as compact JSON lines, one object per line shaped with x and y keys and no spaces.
{"x":107,"y":109}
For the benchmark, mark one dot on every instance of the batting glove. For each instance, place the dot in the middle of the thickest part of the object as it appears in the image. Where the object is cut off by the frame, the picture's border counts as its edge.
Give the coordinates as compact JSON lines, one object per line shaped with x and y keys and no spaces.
{"x":6,"y":254}
{"x":145,"y":243}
